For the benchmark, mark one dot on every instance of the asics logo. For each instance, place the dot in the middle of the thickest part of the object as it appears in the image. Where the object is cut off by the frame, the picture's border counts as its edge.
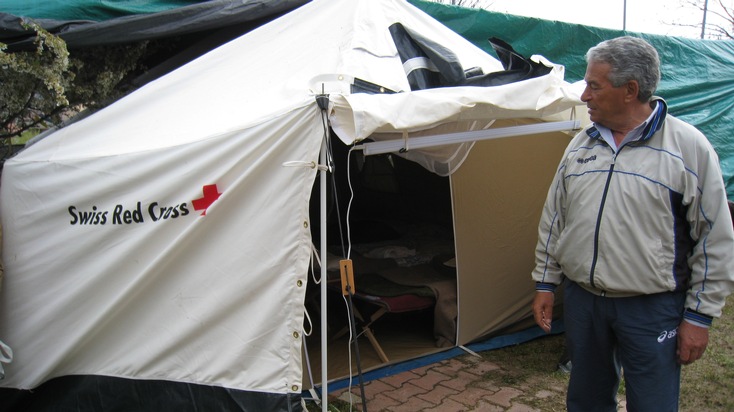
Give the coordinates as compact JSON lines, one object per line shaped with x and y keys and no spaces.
{"x":667,"y":335}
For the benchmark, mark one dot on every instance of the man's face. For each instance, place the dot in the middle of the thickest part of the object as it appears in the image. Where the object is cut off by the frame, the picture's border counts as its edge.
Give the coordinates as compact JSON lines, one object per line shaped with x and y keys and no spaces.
{"x":604,"y":101}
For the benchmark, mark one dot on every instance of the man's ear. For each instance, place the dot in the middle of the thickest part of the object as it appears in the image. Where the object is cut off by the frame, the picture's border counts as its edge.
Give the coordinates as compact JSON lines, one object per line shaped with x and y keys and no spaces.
{"x":632,"y":89}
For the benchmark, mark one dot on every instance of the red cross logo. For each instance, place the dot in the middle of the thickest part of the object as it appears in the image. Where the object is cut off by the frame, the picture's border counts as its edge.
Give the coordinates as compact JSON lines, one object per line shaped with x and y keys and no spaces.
{"x":210,"y":195}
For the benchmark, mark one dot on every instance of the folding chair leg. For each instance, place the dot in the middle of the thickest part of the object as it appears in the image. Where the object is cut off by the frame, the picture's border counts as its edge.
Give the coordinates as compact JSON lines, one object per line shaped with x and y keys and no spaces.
{"x":375,"y":344}
{"x":371,"y":336}
{"x":368,"y":332}
{"x":343,"y":331}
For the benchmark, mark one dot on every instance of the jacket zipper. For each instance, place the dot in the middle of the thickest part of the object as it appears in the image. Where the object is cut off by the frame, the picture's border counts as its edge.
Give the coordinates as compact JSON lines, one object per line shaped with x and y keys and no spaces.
{"x":598,"y":223}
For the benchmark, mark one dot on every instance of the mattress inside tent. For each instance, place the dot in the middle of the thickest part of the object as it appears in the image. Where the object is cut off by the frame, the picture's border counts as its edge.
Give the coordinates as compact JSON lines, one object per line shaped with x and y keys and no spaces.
{"x":398,"y":233}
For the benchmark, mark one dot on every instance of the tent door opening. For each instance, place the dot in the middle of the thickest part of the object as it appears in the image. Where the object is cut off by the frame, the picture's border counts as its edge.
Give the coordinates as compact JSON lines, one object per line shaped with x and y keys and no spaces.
{"x":398,"y":233}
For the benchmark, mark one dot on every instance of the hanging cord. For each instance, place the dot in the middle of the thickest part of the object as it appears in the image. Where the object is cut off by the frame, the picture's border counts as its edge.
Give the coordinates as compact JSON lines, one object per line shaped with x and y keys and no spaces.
{"x":353,"y":335}
{"x":330,"y":161}
{"x":310,"y":324}
{"x":351,"y":199}
{"x":355,"y":343}
{"x":349,"y":352}
{"x":322,"y":101}
{"x":315,"y":256}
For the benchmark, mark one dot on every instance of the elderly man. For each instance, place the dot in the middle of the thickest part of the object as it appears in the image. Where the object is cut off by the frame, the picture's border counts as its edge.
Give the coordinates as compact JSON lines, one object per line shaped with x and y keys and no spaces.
{"x":637,"y":220}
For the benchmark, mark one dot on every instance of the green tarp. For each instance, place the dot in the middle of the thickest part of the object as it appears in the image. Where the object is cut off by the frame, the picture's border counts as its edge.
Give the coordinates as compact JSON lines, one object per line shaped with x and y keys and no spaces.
{"x":697,"y":75}
{"x":95,"y":10}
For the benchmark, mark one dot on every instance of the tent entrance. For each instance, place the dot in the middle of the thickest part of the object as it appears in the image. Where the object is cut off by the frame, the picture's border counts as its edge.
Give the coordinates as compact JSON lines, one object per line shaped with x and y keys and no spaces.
{"x":398,"y":232}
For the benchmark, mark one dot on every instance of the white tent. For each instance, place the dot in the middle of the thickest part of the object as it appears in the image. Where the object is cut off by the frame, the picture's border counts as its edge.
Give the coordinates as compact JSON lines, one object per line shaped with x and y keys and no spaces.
{"x":161,"y":246}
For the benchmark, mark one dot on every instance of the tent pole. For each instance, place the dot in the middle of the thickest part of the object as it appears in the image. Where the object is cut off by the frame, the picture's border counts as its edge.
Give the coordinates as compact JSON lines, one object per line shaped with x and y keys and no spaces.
{"x":322,"y":182}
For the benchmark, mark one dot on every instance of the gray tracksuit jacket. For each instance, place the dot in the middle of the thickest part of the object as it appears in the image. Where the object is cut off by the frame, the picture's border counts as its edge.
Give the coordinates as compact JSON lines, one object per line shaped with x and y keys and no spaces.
{"x":651,"y":217}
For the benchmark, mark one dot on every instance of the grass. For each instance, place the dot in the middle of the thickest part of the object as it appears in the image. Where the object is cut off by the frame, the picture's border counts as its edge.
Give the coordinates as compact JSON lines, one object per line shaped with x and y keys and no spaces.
{"x":706,"y":386}
{"x":532,"y":368}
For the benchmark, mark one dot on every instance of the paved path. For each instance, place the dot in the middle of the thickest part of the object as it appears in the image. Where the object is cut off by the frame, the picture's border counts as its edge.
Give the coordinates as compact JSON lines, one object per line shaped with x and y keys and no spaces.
{"x":451,"y":385}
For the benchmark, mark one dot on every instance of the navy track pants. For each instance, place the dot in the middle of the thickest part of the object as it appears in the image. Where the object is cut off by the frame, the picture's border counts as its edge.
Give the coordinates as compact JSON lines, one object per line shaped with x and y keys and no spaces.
{"x":635,"y":336}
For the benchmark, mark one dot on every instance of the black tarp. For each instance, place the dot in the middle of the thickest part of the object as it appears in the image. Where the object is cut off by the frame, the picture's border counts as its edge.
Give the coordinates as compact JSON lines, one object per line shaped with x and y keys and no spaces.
{"x":204,"y":17}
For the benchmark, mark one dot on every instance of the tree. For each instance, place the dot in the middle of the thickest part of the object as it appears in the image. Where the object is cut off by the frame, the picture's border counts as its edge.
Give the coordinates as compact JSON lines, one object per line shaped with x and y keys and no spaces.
{"x":42,"y":87}
{"x":33,"y":84}
{"x":476,"y":4}
{"x":717,"y":19}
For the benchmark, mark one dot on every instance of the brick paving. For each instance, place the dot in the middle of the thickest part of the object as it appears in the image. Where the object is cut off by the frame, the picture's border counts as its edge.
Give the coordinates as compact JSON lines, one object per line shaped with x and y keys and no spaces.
{"x":447,"y":386}
{"x":450,"y":385}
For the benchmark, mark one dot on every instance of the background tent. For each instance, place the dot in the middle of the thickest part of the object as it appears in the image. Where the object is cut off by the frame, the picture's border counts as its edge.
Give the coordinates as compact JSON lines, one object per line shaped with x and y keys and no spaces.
{"x":157,"y":251}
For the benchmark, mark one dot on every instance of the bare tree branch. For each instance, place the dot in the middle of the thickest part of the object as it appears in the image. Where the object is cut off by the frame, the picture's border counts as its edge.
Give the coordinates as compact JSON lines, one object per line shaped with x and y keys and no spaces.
{"x":474,"y":4}
{"x":724,"y":30}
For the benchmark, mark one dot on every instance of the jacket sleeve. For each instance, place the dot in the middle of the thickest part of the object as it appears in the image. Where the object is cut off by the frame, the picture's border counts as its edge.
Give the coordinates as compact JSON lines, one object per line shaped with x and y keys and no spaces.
{"x":712,"y":258}
{"x":547,"y":273}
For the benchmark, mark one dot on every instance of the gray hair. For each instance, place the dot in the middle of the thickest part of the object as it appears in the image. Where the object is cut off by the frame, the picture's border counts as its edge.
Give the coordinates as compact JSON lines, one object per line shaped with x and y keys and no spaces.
{"x":630,"y":58}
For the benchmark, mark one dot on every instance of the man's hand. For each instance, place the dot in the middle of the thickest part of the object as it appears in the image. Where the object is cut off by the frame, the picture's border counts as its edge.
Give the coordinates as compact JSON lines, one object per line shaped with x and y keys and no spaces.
{"x":543,"y":309}
{"x":692,"y":342}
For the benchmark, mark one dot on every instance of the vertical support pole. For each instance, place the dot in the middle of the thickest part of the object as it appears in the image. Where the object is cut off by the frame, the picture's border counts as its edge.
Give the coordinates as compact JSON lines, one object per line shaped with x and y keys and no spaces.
{"x":322,"y":250}
{"x":703,"y":24}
